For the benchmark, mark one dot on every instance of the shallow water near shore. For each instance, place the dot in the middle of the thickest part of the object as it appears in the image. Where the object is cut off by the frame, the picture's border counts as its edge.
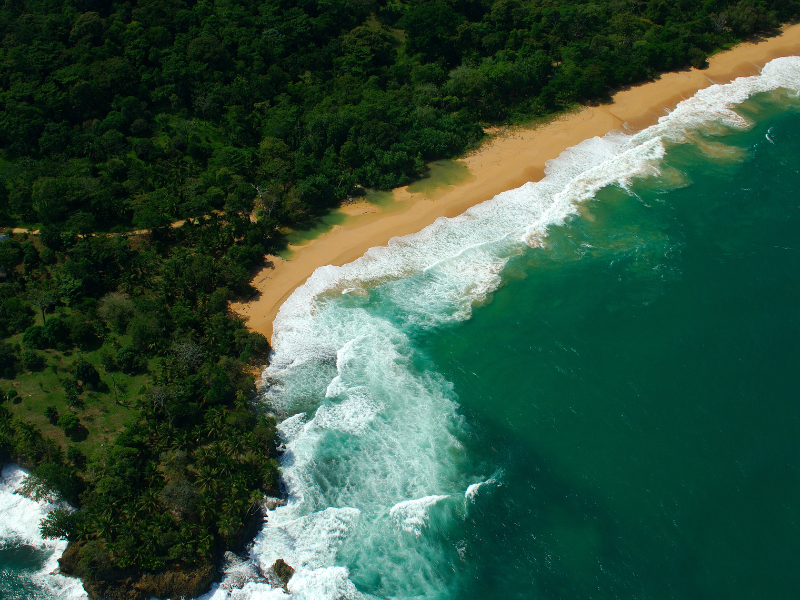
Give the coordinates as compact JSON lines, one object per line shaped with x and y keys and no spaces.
{"x":28,"y":563}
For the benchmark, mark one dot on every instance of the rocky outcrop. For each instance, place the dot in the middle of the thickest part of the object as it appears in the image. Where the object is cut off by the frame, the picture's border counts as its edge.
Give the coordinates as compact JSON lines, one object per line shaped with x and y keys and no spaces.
{"x":129,"y":584}
{"x":282,"y":572}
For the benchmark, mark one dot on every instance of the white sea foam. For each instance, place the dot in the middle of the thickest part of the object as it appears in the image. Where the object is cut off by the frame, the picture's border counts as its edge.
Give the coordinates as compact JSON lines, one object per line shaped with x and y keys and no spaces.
{"x":412,"y":515}
{"x":330,"y":582}
{"x":308,"y":542}
{"x":474,"y":488}
{"x":318,"y":584}
{"x":372,"y":428}
{"x":353,"y":415}
{"x":460,"y":248}
{"x":249,"y":591}
{"x":20,"y":518}
{"x":387,"y":428}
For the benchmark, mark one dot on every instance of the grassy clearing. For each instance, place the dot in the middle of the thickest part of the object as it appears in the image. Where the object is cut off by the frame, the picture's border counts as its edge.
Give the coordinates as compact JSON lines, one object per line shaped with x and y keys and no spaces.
{"x":103,"y":411}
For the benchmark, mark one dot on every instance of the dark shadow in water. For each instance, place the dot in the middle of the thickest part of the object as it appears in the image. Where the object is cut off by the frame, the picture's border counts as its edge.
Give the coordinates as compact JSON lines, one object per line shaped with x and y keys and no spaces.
{"x":556,"y":541}
{"x":17,"y":567}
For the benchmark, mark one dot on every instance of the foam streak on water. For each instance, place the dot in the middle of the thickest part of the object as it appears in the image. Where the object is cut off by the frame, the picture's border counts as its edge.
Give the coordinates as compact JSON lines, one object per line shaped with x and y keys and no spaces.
{"x":374,"y":467}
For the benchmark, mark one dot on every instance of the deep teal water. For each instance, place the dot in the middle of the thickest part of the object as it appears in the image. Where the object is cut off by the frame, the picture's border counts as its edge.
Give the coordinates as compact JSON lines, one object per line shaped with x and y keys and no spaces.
{"x":637,"y":383}
{"x":18,"y":565}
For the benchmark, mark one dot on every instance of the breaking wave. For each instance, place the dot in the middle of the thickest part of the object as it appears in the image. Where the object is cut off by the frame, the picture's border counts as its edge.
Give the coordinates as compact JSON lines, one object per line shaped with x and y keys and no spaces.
{"x":20,"y":518}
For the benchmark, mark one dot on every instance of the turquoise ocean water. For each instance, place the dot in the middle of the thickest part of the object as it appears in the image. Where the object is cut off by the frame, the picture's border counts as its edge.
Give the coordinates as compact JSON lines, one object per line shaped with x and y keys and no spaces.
{"x":586,"y":388}
{"x":19,"y":566}
{"x":637,"y":383}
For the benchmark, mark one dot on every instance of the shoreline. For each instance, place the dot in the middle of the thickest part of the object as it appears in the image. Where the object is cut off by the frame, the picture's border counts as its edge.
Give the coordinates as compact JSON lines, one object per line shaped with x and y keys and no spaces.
{"x":506,"y":161}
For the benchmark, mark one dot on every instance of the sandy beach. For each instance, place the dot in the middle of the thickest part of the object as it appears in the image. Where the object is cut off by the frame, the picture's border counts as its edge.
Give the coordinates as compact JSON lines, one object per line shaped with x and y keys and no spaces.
{"x":508,"y":159}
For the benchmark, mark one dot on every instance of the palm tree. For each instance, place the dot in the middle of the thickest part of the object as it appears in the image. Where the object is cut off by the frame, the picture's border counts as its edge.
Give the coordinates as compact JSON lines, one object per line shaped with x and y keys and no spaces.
{"x":206,"y":480}
{"x":27,"y":431}
{"x":148,"y":501}
{"x":215,"y":422}
{"x":103,"y":525}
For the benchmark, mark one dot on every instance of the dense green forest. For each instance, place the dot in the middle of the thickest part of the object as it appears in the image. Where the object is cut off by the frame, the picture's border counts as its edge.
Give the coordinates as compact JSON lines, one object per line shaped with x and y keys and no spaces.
{"x":135,"y":332}
{"x":127,"y":382}
{"x":119,"y":114}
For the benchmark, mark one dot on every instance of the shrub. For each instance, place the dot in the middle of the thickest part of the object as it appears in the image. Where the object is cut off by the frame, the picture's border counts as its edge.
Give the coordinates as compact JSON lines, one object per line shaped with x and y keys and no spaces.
{"x":107,"y":361}
{"x":34,"y":337}
{"x":71,"y":389}
{"x":69,"y":423}
{"x":130,"y":360}
{"x":9,"y":361}
{"x":32,"y":360}
{"x":51,"y":413}
{"x":86,"y":373}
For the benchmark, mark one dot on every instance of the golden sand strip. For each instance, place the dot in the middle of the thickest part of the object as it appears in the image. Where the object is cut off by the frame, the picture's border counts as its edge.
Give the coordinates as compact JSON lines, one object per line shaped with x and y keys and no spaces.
{"x":506,"y":161}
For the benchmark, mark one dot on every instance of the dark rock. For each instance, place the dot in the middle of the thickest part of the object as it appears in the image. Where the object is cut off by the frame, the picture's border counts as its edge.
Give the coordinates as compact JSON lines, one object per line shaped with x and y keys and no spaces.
{"x":252,"y":524}
{"x":68,"y":563}
{"x":273,"y":503}
{"x":283,"y":572}
{"x":104,"y":583}
{"x":177,"y":584}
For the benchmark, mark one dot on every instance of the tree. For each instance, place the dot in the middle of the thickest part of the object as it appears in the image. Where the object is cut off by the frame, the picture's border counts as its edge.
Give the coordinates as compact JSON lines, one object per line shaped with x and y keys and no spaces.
{"x":50,"y":198}
{"x":188,"y":356}
{"x":55,"y":333}
{"x":69,"y":423}
{"x":59,"y":524}
{"x":43,"y":297}
{"x":432,"y":30}
{"x":71,"y":390}
{"x":116,"y":310}
{"x":130,"y":360}
{"x":86,"y":373}
{"x":9,"y":360}
{"x":10,"y":256}
{"x":32,"y":360}
{"x":299,"y":102}
{"x":76,"y":457}
{"x":51,"y":414}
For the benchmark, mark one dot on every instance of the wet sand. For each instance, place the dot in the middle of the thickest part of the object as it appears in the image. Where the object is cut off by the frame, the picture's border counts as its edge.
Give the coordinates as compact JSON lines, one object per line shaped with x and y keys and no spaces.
{"x":508,"y":159}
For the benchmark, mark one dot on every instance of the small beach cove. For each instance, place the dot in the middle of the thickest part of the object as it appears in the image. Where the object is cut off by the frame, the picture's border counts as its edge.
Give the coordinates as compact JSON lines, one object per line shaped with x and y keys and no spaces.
{"x":508,"y":159}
